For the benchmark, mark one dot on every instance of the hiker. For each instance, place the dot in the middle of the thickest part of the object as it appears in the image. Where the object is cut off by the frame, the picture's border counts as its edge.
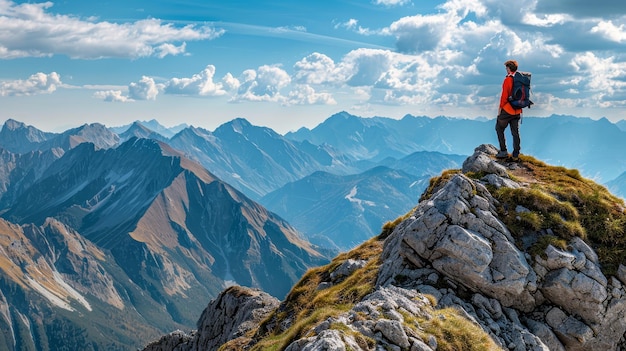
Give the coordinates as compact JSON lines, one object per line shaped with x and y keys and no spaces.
{"x":507,"y":114}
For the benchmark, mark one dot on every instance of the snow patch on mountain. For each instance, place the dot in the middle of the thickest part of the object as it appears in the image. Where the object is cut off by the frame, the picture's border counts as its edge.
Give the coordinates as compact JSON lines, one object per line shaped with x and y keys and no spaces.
{"x":73,"y":293}
{"x":55,"y":300}
{"x":54,"y":297}
{"x":352,"y":198}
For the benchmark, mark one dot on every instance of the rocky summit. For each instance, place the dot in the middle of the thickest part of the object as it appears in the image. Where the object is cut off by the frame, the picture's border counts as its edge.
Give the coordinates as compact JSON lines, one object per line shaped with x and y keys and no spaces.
{"x":498,"y":255}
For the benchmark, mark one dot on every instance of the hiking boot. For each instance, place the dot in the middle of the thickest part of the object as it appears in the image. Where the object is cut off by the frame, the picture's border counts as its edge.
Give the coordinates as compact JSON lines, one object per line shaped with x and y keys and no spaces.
{"x":502,"y":154}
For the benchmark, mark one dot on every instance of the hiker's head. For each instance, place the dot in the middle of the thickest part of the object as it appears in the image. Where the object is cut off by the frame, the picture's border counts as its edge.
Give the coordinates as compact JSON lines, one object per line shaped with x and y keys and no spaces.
{"x":511,"y":65}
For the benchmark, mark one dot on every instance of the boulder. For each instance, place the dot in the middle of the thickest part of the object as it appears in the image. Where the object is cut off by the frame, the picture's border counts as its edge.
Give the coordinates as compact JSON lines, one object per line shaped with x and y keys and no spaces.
{"x":230,"y":315}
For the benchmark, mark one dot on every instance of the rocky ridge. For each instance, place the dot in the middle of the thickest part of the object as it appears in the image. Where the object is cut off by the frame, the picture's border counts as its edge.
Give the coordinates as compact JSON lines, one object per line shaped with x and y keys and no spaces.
{"x":452,"y":264}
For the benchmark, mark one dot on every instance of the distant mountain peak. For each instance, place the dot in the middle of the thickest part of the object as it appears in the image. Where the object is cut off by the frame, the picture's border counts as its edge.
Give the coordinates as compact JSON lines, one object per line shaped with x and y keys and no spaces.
{"x":18,"y":137}
{"x":239,"y":124}
{"x":12,"y":124}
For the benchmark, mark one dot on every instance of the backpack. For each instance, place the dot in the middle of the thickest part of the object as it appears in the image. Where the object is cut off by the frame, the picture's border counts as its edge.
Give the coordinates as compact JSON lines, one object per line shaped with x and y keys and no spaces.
{"x":520,"y":94}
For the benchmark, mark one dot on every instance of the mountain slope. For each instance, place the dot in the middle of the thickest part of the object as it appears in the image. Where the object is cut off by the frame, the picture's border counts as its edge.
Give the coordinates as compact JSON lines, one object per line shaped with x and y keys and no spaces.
{"x":60,"y":291}
{"x":254,"y":159}
{"x":618,"y":185}
{"x":496,"y":256}
{"x":172,"y":234}
{"x":140,"y":131}
{"x":19,"y":171}
{"x":152,"y":125}
{"x":17,"y":137}
{"x":346,"y":210}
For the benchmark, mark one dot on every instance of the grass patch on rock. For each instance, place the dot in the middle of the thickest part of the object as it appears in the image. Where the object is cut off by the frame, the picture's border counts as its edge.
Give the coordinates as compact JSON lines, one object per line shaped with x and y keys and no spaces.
{"x":307,"y":305}
{"x":564,"y":204}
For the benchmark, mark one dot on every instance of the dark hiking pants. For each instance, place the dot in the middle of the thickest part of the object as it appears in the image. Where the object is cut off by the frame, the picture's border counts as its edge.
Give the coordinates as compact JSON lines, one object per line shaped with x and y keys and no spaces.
{"x":503,"y":120}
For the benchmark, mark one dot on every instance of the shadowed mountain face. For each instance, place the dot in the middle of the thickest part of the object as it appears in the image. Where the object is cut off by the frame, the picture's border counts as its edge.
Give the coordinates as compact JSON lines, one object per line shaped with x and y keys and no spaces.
{"x":254,"y":159}
{"x":346,"y":210}
{"x":161,"y":224}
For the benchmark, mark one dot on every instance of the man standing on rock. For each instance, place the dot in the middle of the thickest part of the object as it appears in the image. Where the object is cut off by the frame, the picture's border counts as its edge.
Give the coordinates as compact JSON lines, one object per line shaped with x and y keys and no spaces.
{"x":507,"y":114}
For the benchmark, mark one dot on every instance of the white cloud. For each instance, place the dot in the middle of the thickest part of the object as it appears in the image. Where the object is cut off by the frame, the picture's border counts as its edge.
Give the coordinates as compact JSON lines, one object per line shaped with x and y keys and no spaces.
{"x":170,"y":49}
{"x":349,"y":24}
{"x":263,"y":84}
{"x":353,"y":25}
{"x":38,"y":83}
{"x":30,"y":30}
{"x":544,"y":20}
{"x":442,"y":30}
{"x":420,"y":33}
{"x":201,"y":84}
{"x":112,"y":96}
{"x":230,"y":83}
{"x":602,"y":76}
{"x":610,"y":31}
{"x":364,"y":67}
{"x":304,"y":94}
{"x":145,"y":89}
{"x":316,"y":69}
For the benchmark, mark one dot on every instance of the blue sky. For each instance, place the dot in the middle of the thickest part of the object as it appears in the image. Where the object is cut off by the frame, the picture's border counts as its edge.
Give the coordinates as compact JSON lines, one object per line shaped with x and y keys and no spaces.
{"x":288,"y":64}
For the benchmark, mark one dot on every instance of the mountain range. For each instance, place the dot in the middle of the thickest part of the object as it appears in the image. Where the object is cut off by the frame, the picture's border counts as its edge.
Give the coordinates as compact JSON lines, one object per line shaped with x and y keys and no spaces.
{"x":347,"y":210}
{"x":589,"y":145}
{"x":136,"y":232}
{"x":128,"y":223}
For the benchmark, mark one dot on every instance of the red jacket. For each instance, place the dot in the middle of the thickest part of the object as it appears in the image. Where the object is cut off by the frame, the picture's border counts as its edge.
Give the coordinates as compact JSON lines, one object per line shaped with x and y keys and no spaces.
{"x":507,"y":86}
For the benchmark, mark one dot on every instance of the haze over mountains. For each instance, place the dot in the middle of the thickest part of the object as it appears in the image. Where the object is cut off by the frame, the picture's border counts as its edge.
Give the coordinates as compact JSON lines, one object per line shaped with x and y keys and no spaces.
{"x":130,"y":222}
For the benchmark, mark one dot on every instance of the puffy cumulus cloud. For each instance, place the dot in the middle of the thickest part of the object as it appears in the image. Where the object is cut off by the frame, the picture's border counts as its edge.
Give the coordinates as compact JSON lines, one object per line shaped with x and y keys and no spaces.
{"x":364,"y":67}
{"x":304,"y":94}
{"x":316,"y":69}
{"x":145,"y":89}
{"x":201,"y":84}
{"x":38,"y":83}
{"x":112,"y":96}
{"x":395,"y":78}
{"x":419,"y":33}
{"x":230,"y":83}
{"x":611,"y":31}
{"x":31,"y":30}
{"x":602,"y":76}
{"x":263,"y":84}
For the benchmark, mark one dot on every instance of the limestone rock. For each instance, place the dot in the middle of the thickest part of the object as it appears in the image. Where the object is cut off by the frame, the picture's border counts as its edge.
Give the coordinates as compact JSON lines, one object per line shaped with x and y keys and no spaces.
{"x":234,"y":312}
{"x":565,"y":300}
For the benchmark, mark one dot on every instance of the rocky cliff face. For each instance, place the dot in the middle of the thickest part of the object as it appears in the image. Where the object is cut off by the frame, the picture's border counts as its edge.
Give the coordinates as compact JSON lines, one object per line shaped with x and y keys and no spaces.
{"x":496,"y":256}
{"x":231,"y":315}
{"x":559,"y":299}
